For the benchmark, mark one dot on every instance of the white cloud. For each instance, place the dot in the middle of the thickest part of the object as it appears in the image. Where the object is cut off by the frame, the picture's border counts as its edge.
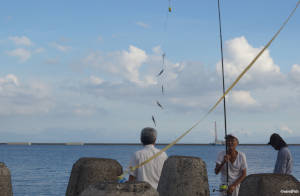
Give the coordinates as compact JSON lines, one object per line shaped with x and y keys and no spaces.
{"x":150,"y":80}
{"x":239,"y":54}
{"x":188,"y":85}
{"x":95,"y":80}
{"x":60,"y":47}
{"x":295,"y":72}
{"x":286,"y":129}
{"x":242,"y":99}
{"x":23,"y":40}
{"x":122,"y":63}
{"x":23,"y":99}
{"x":157,"y":50}
{"x":142,"y":24}
{"x":20,"y":53}
{"x":134,"y":65}
{"x":10,"y":79}
{"x":133,"y":60}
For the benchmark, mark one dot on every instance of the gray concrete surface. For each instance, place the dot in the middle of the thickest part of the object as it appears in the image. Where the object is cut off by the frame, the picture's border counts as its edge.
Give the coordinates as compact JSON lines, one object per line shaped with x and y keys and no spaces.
{"x":270,"y":185}
{"x":183,"y":176}
{"x":87,"y":171}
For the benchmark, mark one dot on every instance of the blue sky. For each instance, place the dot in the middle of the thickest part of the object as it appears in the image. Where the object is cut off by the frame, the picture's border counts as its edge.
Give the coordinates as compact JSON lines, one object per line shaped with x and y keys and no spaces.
{"x":78,"y":71}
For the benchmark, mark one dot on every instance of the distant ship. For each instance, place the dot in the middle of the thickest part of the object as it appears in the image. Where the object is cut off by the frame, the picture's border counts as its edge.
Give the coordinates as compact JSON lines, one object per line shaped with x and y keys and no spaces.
{"x":217,"y":142}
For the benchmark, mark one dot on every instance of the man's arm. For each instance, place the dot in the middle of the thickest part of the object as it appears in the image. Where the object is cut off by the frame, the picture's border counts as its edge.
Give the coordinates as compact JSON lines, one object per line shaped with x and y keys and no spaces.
{"x":238,"y":181}
{"x":133,"y":162}
{"x":219,"y":166}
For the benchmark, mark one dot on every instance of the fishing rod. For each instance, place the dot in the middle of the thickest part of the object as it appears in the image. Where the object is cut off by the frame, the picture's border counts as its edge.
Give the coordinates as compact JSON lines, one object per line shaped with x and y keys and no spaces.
{"x":223,"y":81}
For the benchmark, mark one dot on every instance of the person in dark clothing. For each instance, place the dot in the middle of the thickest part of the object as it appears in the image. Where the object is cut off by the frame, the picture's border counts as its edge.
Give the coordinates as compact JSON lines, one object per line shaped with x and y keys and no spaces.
{"x":284,"y":162}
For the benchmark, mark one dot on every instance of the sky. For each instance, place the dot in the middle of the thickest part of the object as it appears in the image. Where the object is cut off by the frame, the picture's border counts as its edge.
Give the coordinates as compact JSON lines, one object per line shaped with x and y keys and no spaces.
{"x":78,"y":71}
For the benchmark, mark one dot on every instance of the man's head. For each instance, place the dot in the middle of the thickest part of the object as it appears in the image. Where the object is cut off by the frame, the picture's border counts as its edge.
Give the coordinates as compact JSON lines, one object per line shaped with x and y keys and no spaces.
{"x":231,"y":142}
{"x":276,"y":141}
{"x":148,"y":136}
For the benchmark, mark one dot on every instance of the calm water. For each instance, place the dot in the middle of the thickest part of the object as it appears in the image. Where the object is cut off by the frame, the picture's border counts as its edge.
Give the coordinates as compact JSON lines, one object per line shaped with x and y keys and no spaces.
{"x":45,"y":170}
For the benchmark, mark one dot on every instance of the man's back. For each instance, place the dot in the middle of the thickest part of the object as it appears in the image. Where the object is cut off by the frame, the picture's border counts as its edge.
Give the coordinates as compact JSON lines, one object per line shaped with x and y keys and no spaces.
{"x":151,"y":171}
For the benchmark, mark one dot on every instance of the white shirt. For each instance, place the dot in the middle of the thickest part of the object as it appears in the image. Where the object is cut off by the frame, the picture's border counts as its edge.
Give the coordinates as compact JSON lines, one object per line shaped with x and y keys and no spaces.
{"x":151,"y":171}
{"x":234,"y":169}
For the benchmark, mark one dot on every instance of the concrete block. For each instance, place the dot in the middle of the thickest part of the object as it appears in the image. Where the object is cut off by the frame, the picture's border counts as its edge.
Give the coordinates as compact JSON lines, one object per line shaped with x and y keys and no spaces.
{"x":120,"y":189}
{"x":5,"y":181}
{"x":270,"y":185}
{"x":183,"y":176}
{"x":87,"y":171}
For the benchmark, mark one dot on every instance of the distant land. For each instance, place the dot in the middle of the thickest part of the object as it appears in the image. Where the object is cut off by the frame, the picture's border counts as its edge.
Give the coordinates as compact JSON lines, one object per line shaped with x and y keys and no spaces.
{"x":292,"y":141}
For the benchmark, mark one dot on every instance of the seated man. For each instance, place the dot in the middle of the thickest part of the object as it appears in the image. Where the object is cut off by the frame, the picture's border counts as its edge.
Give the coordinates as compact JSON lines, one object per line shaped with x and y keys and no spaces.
{"x":151,"y":171}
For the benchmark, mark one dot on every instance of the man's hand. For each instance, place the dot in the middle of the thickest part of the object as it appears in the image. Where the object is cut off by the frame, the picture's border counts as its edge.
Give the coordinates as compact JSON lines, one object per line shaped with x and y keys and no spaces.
{"x":219,"y":166}
{"x":226,"y":158}
{"x":231,"y":188}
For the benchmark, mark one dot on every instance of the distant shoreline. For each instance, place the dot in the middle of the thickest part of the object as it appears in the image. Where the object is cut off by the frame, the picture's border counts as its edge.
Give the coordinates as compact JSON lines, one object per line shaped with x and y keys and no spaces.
{"x":127,"y":144}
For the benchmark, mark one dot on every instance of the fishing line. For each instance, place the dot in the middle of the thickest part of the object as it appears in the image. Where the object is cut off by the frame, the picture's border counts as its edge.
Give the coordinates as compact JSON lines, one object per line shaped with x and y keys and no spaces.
{"x":219,"y":100}
{"x":162,"y":74}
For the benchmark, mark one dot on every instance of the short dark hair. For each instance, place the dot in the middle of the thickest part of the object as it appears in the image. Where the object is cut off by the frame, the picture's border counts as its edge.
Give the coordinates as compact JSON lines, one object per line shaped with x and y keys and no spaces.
{"x":148,"y":135}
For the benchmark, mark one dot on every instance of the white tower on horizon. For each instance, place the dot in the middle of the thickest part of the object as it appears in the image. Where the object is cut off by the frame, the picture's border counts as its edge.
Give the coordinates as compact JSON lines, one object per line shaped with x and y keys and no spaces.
{"x":216,"y":136}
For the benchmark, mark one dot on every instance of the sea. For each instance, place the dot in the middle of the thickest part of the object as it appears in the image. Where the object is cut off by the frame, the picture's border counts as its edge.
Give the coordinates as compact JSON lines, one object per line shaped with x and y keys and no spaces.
{"x":44,"y":170}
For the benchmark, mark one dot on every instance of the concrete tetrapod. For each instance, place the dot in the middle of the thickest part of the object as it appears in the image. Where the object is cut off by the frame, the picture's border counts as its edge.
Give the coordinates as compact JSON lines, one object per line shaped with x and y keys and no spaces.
{"x":270,"y":185}
{"x":183,"y":176}
{"x":87,"y":171}
{"x":5,"y":181}
{"x":120,"y":189}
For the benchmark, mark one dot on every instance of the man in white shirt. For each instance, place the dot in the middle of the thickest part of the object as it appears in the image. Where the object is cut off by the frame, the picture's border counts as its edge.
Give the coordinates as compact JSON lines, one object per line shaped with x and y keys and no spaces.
{"x":237,"y":166}
{"x":151,"y":171}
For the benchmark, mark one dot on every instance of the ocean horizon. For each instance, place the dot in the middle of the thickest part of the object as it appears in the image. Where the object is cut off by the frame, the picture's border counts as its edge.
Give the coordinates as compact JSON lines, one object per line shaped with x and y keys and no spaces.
{"x":129,"y":143}
{"x":44,"y":170}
